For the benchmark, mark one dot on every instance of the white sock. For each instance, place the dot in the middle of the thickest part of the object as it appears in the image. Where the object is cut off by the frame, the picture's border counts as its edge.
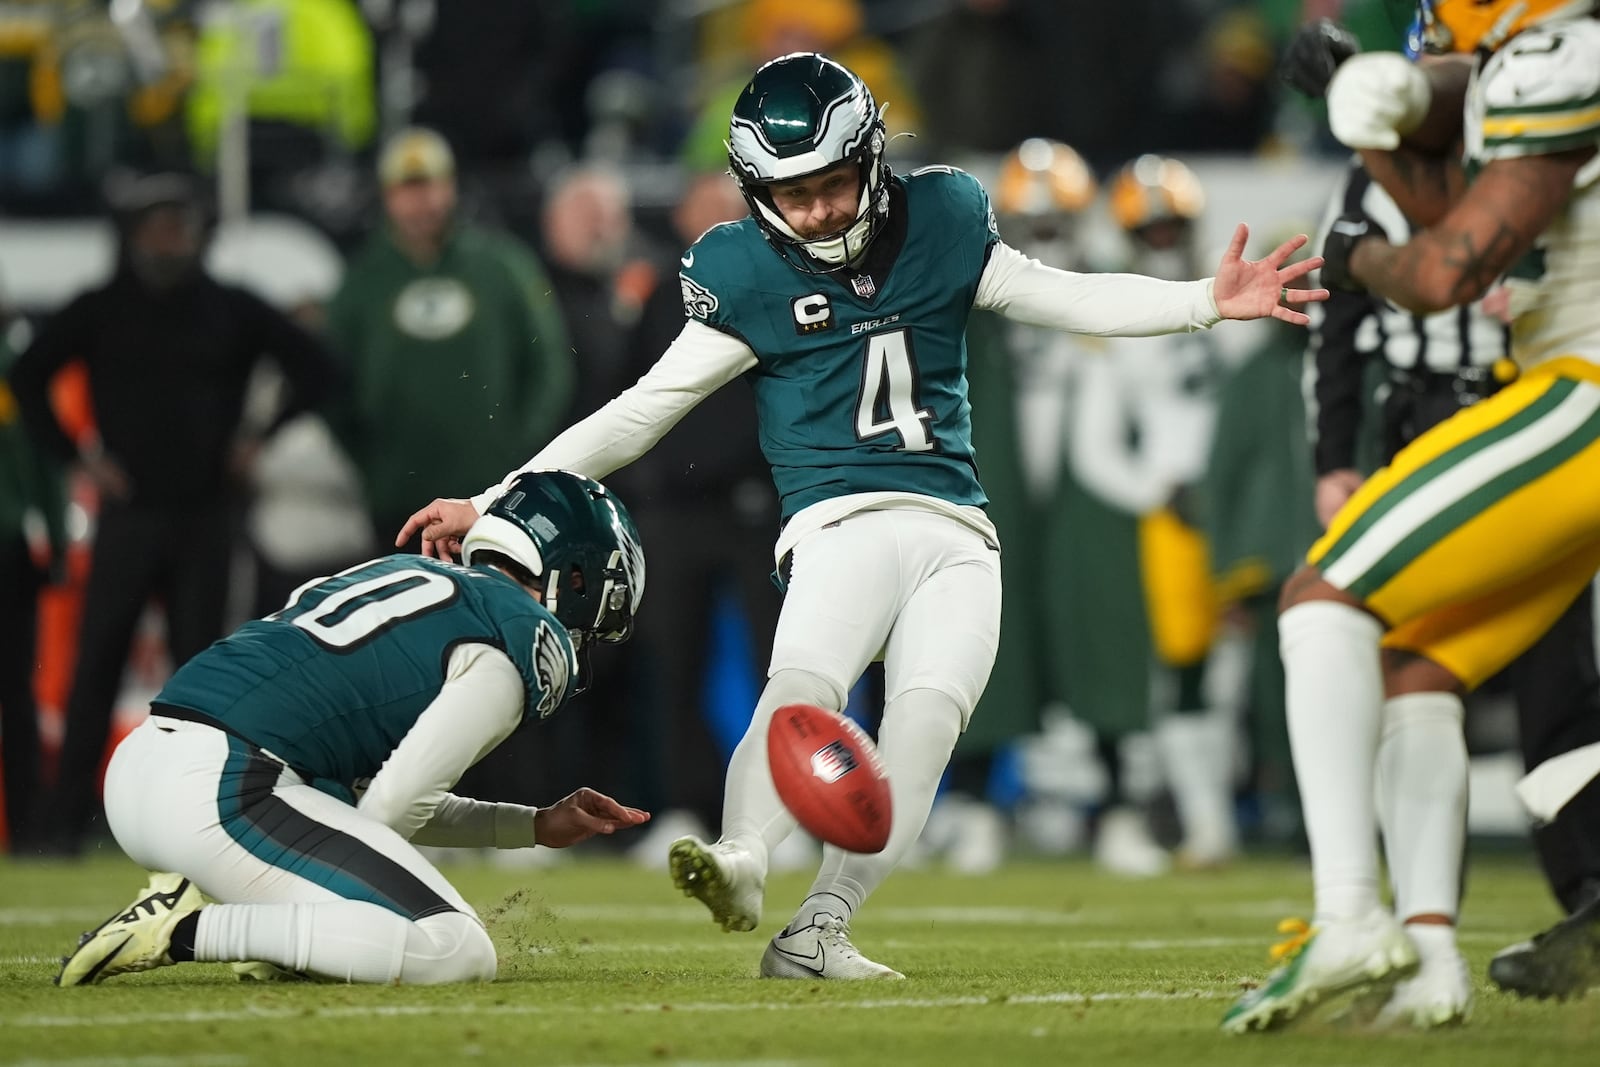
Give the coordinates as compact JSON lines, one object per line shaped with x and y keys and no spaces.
{"x":752,"y":814}
{"x":1422,"y":801}
{"x":1335,"y":700}
{"x":919,"y":731}
{"x":349,"y":940}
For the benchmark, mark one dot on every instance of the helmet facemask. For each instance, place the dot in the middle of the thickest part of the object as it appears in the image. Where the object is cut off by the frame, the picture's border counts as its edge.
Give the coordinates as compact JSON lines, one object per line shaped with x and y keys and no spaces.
{"x":801,"y":115}
{"x":579,"y":546}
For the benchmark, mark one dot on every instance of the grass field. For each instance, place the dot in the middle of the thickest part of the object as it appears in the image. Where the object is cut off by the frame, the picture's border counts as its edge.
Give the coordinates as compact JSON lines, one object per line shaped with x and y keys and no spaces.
{"x":604,"y":964}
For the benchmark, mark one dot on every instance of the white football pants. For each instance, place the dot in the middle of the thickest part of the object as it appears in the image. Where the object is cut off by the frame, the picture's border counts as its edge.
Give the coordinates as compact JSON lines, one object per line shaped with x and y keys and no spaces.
{"x":301,"y":879}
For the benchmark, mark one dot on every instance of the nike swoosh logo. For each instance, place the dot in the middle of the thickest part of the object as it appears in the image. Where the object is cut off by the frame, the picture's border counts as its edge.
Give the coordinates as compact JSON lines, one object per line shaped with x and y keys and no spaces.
{"x":94,"y":972}
{"x":688,"y":260}
{"x":814,"y":962}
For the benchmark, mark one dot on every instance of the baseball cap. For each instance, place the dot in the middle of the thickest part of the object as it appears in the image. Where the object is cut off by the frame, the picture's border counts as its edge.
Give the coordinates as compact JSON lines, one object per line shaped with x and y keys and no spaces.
{"x":415,"y":154}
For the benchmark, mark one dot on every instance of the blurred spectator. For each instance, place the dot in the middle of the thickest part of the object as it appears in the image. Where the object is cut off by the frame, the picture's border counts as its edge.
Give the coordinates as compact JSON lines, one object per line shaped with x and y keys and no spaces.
{"x":84,"y":87}
{"x":168,"y":352}
{"x":704,"y":502}
{"x":773,"y":28}
{"x":1041,"y":193}
{"x":602,"y":270}
{"x":982,"y":73}
{"x":443,"y":325}
{"x":31,"y":492}
{"x":300,"y":70}
{"x":306,"y":518}
{"x":1258,"y":524}
{"x":1158,"y":204}
{"x":1222,"y":97}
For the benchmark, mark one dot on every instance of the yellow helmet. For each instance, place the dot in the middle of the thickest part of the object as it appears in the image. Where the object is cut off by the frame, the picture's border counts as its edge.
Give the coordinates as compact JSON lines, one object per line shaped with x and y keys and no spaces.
{"x":1043,"y":177}
{"x":1153,"y":188}
{"x":1470,"y":25}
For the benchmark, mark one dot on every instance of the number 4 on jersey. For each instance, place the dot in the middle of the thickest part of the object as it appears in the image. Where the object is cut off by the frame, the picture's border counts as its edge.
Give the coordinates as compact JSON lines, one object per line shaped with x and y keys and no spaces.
{"x":888,"y":401}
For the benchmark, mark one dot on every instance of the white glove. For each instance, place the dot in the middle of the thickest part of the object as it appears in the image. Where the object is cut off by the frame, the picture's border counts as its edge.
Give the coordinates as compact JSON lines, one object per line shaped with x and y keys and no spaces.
{"x":1375,"y":98}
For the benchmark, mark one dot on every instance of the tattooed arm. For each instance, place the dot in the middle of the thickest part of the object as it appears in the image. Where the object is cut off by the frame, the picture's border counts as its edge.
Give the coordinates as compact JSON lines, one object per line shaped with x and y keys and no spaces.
{"x":1425,"y":185}
{"x":1424,"y":175}
{"x":1457,"y":259}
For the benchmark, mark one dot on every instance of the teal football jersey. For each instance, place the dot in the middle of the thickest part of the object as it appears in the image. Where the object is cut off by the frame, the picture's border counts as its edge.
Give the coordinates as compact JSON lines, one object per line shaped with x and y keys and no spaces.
{"x":331,"y":683}
{"x":861,"y":383}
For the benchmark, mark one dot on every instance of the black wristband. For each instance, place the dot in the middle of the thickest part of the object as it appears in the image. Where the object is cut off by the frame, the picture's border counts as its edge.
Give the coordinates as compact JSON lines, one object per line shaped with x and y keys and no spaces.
{"x":1343,"y":236}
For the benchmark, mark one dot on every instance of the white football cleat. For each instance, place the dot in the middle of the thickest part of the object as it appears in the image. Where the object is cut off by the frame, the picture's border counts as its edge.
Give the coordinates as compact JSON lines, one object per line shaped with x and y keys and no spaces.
{"x":819,"y":949}
{"x":1334,"y":957}
{"x":724,"y":877}
{"x":136,"y":939}
{"x":1439,"y":994}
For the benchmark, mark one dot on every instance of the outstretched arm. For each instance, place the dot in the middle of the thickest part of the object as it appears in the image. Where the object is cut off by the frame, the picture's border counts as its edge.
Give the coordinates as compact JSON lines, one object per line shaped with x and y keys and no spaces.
{"x":1132,"y":305}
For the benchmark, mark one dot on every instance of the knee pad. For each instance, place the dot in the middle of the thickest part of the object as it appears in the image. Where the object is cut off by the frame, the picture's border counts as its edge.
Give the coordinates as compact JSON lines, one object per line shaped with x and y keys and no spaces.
{"x":448,"y":947}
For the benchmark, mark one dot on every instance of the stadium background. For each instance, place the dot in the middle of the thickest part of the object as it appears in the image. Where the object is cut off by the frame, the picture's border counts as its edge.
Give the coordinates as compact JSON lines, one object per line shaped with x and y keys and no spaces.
{"x":282,"y":105}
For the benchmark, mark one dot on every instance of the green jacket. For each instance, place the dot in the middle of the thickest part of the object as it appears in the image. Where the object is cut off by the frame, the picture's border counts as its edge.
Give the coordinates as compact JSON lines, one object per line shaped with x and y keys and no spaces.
{"x":459,"y":371}
{"x":29,"y":480}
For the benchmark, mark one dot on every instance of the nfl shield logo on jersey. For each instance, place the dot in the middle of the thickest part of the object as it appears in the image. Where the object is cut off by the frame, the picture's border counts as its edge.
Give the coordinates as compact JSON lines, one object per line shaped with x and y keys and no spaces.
{"x":864,"y":286}
{"x":832,"y":762}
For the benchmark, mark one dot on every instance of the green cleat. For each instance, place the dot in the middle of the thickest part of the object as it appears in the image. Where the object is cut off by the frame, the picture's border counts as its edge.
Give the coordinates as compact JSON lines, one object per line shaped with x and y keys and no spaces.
{"x":1321,"y":962}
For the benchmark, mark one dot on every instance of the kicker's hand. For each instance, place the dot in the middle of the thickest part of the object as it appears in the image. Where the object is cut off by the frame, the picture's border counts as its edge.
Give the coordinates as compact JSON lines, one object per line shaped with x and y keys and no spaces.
{"x":580,"y":815}
{"x":1257,"y":289}
{"x":442,"y":523}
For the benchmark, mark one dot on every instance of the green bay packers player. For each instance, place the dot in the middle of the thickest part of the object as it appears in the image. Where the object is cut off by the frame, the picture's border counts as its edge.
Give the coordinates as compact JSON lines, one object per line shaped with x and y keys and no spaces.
{"x":388,"y":680}
{"x":842,"y":300}
{"x":1448,"y":563}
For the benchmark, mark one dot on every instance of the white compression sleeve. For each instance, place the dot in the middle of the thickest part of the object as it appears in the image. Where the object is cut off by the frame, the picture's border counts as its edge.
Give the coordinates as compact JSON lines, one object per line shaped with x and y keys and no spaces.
{"x":699,"y":361}
{"x":1120,"y":305}
{"x":461,"y":822}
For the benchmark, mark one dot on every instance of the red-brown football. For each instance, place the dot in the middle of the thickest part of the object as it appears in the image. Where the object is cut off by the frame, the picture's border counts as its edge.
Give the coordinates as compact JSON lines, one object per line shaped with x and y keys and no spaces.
{"x":830,"y":777}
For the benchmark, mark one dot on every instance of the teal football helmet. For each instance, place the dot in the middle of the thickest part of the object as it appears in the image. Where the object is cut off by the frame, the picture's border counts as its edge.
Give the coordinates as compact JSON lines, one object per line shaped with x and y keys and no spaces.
{"x":801,"y":114}
{"x":580,"y":545}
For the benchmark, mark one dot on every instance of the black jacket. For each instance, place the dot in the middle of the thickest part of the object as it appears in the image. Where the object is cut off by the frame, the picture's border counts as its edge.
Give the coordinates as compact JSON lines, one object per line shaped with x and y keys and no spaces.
{"x":167,"y":375}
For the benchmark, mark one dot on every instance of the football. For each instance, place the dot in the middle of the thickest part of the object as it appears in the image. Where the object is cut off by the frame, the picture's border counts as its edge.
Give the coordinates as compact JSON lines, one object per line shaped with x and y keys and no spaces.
{"x":828,"y":774}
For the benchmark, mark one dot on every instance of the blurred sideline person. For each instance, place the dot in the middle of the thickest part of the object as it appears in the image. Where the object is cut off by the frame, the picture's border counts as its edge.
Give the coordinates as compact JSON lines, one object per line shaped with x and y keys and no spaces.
{"x":31,"y":489}
{"x":1042,"y":189}
{"x":288,"y":805}
{"x":1158,"y":202}
{"x":843,"y":300}
{"x":1451,"y":561}
{"x":1434,"y":366}
{"x":767,"y":29}
{"x":447,"y":329}
{"x":169,"y":352}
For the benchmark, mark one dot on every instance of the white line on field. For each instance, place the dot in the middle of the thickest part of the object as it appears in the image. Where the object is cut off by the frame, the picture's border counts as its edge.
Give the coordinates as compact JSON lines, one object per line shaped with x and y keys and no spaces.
{"x":708,"y":1007}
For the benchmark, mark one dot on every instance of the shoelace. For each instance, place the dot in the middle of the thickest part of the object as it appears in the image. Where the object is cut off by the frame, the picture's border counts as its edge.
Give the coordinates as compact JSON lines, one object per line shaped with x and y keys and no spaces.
{"x":837,"y":932}
{"x":1299,"y":932}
